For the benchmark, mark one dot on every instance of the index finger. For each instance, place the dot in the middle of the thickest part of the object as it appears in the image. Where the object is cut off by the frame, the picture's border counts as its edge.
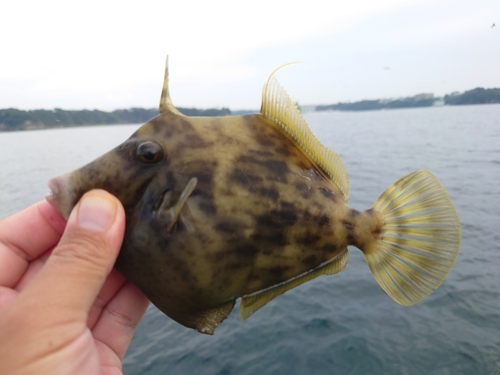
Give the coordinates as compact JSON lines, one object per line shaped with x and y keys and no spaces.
{"x":25,"y":236}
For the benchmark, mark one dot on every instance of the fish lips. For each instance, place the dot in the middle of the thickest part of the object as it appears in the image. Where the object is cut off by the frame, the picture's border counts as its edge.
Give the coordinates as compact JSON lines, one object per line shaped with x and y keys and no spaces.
{"x":156,"y":202}
{"x":60,"y":196}
{"x":64,"y":194}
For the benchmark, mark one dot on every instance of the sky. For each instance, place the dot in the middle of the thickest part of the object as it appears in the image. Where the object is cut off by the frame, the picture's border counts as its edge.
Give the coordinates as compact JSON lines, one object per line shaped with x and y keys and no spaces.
{"x":108,"y":55}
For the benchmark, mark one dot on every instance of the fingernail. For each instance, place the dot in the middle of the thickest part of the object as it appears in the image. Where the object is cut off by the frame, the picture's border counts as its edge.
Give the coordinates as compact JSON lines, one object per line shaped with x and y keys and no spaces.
{"x":96,"y":213}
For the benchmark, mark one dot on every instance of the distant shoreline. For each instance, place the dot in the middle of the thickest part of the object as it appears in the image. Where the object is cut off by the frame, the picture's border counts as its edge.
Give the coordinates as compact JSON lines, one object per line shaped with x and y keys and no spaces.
{"x":475,"y":96}
{"x":12,"y":119}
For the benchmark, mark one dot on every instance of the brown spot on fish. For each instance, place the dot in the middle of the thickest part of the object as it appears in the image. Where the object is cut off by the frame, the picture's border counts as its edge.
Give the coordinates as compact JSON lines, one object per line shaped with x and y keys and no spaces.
{"x":327,"y":193}
{"x":194,"y":141}
{"x":222,"y":138}
{"x":354,"y":212}
{"x":377,"y":232}
{"x":329,"y":248}
{"x":271,"y":230}
{"x":207,"y":207}
{"x":307,"y":216}
{"x":186,"y":126}
{"x":309,"y":238}
{"x":262,"y":153}
{"x":278,"y":169}
{"x":288,"y":213}
{"x":349,"y":228}
{"x":168,"y":132}
{"x":271,"y":239}
{"x":323,"y":221}
{"x":311,"y":262}
{"x":219,"y":256}
{"x":304,"y":190}
{"x":264,"y":141}
{"x":283,"y":151}
{"x":271,"y":193}
{"x":278,"y":273}
{"x":300,"y":186}
{"x":243,"y":178}
{"x":205,"y":176}
{"x":228,"y":227}
{"x":247,"y":250}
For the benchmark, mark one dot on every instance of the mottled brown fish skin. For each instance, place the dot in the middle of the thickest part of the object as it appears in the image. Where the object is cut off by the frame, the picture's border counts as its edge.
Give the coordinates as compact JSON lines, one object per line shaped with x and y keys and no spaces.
{"x":253,"y":206}
{"x":261,"y":213}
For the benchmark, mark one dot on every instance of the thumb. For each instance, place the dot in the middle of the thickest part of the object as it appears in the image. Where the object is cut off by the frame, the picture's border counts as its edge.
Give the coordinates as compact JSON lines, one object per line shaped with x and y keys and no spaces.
{"x":75,"y":272}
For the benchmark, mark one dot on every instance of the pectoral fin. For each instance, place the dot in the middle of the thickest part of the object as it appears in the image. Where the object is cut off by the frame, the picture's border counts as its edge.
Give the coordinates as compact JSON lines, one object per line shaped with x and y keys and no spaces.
{"x":252,"y":302}
{"x":175,"y":211}
{"x":171,"y":214}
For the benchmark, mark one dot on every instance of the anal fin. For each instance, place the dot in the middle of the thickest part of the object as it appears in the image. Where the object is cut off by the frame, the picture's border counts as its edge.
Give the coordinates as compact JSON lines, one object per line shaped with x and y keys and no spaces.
{"x":253,"y":302}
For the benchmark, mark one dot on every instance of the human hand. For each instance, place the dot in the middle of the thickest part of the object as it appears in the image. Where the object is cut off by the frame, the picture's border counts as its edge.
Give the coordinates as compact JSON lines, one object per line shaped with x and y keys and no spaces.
{"x":66,"y":310}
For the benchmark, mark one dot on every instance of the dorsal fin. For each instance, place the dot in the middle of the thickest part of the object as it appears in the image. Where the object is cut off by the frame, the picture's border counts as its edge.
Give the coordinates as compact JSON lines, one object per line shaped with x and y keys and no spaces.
{"x":278,"y":107}
{"x":165,"y":101}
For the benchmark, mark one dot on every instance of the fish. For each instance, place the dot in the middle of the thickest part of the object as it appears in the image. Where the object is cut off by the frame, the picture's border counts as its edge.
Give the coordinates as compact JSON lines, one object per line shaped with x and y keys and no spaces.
{"x":249,"y":207}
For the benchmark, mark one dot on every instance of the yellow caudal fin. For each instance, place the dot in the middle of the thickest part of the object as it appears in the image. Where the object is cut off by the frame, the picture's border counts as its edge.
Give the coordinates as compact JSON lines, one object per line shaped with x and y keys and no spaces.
{"x":420,"y":239}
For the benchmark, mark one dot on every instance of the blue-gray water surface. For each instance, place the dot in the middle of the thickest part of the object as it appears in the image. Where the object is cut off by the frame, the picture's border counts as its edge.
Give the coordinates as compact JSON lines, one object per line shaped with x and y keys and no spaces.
{"x":342,"y":324}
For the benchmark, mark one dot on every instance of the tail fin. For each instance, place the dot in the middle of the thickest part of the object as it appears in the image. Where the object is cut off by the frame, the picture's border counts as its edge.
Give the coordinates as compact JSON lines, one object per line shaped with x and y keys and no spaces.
{"x":420,"y":240}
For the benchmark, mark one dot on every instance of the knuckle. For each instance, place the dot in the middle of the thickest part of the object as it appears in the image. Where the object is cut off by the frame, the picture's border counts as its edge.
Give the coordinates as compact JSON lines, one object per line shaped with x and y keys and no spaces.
{"x":91,"y":251}
{"x":121,"y":318}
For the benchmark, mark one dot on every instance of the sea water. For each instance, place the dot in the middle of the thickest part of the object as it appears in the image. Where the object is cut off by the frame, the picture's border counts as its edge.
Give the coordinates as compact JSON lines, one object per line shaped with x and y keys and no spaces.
{"x":341,"y":324}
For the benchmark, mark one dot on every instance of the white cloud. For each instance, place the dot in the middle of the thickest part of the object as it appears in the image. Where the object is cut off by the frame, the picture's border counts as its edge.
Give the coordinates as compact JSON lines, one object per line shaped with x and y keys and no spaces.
{"x":49,"y":39}
{"x":108,"y":54}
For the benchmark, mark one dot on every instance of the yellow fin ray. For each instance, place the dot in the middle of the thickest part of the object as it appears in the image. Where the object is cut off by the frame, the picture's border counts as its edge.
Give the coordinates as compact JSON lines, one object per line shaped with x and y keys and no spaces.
{"x":253,"y":302}
{"x":420,"y":241}
{"x":278,"y":107}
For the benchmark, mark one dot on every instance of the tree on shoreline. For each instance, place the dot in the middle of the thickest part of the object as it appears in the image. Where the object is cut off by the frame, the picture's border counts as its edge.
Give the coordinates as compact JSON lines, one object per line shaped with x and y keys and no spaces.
{"x":14,"y":119}
{"x":475,"y":96}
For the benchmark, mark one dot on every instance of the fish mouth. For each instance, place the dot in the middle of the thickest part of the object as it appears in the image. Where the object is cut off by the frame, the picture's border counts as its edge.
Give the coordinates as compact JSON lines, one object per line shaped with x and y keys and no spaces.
{"x":53,"y":192}
{"x":58,"y":195}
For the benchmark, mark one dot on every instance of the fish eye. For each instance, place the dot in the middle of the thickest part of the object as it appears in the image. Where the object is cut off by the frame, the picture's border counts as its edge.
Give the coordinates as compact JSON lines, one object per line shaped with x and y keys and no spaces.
{"x":149,"y":152}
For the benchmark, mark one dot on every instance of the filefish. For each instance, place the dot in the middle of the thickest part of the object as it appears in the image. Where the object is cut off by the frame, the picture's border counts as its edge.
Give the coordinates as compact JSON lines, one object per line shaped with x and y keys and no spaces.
{"x":221,"y":208}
